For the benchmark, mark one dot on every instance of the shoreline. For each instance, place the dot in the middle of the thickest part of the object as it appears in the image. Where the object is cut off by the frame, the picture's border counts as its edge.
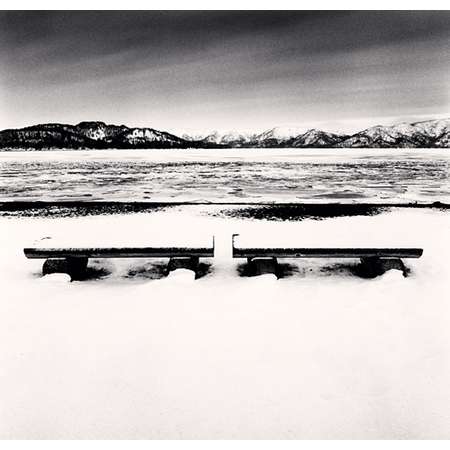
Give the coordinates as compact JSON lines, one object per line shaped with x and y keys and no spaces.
{"x":244,"y":210}
{"x":24,"y":204}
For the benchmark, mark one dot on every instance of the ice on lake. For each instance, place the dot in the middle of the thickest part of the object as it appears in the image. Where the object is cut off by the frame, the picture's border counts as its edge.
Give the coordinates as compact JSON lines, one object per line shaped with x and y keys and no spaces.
{"x":231,"y":175}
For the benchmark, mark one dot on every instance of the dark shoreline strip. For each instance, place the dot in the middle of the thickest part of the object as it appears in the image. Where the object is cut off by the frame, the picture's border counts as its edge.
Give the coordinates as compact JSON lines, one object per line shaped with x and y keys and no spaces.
{"x":243,"y":210}
{"x":24,"y":205}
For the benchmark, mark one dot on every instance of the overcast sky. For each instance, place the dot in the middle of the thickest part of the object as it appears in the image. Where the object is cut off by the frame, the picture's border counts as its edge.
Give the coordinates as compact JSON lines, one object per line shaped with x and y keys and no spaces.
{"x":224,"y":70}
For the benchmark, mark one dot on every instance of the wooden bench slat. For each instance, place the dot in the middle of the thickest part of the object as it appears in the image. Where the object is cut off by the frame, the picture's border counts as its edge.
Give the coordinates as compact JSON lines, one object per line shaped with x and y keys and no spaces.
{"x":327,"y":252}
{"x":119,"y":252}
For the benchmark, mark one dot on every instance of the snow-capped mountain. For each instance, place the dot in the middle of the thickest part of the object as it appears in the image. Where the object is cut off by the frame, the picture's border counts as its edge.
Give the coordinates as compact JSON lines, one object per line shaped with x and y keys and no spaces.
{"x":277,"y":136}
{"x":433,"y":128}
{"x":45,"y":136}
{"x":99,"y":131}
{"x":138,"y":137}
{"x":269,"y":138}
{"x":235,"y":138}
{"x":425,"y":134}
{"x":229,"y":138}
{"x":431,"y":133}
{"x":123,"y":137}
{"x":90,"y":135}
{"x":281,"y":133}
{"x":193,"y":136}
{"x":317,"y":138}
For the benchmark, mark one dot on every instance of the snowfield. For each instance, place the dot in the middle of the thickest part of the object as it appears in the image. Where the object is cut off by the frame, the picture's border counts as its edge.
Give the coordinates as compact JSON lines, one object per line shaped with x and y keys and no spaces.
{"x":319,"y":353}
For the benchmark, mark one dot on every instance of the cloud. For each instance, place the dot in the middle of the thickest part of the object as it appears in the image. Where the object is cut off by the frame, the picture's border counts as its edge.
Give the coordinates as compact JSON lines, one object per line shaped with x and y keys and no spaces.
{"x":227,"y":69}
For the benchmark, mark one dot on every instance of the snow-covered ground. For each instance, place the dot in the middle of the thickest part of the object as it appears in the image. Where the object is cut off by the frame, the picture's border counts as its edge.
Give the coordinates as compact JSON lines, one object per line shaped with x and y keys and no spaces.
{"x":319,"y":353}
{"x":230,"y":175}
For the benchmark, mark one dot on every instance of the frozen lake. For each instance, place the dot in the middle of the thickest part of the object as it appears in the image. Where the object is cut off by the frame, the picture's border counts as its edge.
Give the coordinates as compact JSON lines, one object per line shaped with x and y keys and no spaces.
{"x":231,"y":175}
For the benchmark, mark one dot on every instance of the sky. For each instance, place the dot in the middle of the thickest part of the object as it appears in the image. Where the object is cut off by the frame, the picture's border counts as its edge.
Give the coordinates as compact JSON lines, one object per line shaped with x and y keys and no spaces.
{"x":194,"y":71}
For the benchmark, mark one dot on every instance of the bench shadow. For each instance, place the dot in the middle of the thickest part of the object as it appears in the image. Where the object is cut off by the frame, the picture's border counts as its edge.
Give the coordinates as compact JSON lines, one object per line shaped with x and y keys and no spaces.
{"x":348,"y":269}
{"x":96,"y":273}
{"x":204,"y":269}
{"x":362,"y":271}
{"x":101,"y":269}
{"x":284,"y":270}
{"x":97,"y":270}
{"x":158,"y":270}
{"x":357,"y":269}
{"x":147,"y":271}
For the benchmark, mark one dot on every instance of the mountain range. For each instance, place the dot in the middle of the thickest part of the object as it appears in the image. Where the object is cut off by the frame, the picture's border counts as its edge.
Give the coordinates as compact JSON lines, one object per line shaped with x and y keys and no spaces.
{"x":98,"y":135}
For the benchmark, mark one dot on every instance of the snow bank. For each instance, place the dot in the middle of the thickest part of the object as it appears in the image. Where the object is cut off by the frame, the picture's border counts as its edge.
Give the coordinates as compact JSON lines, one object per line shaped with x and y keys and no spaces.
{"x":319,"y":353}
{"x":55,"y":278}
{"x":181,"y":276}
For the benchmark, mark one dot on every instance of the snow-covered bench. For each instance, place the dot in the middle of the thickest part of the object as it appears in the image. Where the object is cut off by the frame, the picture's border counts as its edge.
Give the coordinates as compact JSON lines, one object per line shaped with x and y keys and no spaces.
{"x":374,"y":261}
{"x":74,"y":261}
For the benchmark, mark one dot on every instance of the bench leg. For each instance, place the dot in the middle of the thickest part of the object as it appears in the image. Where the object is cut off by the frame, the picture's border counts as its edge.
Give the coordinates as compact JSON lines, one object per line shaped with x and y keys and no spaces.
{"x":189,"y":262}
{"x":261,"y":266}
{"x":375,"y":266}
{"x":77,"y":267}
{"x":73,"y":266}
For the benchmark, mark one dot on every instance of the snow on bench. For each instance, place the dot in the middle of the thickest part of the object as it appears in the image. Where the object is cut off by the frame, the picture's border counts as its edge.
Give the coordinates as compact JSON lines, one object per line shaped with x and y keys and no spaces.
{"x":327,"y":252}
{"x":324,"y":252}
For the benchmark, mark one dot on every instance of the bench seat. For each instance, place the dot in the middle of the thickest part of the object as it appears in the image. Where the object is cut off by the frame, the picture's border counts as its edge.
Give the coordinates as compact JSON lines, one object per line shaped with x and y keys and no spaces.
{"x":119,"y":252}
{"x":326,"y":252}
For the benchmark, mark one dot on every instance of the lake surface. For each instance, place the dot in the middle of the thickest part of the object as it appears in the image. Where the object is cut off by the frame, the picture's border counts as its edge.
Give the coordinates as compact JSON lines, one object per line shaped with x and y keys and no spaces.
{"x":232,"y":175}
